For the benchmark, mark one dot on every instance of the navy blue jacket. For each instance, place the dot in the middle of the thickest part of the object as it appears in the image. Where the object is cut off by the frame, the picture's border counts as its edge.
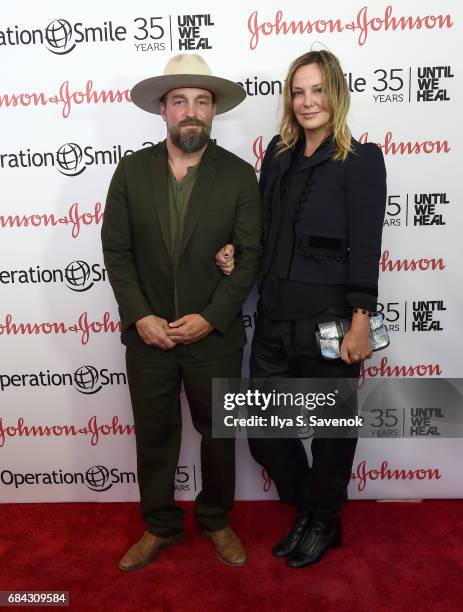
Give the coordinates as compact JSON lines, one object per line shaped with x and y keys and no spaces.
{"x":338,"y":220}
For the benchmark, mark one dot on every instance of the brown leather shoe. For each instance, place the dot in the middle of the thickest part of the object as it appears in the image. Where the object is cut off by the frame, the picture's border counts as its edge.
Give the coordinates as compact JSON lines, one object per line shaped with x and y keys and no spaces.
{"x":228,"y":547}
{"x":145,"y":551}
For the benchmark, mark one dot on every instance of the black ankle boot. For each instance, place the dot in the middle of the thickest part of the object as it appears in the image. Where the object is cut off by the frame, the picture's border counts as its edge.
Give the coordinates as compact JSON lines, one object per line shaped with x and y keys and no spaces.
{"x":289,"y":542}
{"x":320,"y":536}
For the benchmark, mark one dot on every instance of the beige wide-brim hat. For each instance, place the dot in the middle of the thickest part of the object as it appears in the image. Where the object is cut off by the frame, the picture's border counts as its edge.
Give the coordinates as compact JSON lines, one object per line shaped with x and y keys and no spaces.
{"x":186,"y":70}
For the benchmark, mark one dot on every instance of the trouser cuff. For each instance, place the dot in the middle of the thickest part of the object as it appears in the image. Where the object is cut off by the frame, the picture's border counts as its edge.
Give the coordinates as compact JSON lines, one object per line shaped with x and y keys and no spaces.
{"x":164,"y":532}
{"x":212,"y":524}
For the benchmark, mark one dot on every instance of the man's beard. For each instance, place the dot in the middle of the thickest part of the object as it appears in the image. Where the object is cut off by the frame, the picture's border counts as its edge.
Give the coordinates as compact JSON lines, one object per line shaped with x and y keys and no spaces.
{"x":190,"y":141}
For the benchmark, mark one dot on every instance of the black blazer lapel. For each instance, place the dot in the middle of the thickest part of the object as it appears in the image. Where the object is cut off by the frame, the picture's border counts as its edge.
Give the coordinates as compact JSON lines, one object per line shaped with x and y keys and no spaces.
{"x":203,"y":185}
{"x":159,"y":181}
{"x":284,"y":160}
{"x":324,"y":152}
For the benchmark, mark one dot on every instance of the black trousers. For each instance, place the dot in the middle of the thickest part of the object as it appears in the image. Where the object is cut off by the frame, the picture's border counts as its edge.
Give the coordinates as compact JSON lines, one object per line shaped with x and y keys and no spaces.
{"x":287,"y":349}
{"x":155,"y":380}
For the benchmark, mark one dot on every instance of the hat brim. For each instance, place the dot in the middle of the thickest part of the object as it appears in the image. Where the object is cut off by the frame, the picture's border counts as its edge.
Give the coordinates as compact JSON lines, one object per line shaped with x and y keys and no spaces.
{"x":146,"y":94}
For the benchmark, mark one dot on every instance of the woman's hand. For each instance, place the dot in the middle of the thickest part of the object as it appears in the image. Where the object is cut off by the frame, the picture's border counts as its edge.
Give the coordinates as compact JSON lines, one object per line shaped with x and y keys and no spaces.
{"x":225,"y":260}
{"x":356,"y":345}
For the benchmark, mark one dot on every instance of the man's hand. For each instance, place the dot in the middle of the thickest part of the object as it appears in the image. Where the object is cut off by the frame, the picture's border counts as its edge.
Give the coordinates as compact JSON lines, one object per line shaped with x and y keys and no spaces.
{"x":153,"y":331}
{"x":189,"y":329}
{"x":224,"y":259}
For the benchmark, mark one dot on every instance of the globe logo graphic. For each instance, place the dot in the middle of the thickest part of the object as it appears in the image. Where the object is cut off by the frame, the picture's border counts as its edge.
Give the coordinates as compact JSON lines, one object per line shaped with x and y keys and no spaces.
{"x":77,"y":275}
{"x":69,"y":158}
{"x":86,"y":379}
{"x":58,"y":34}
{"x":97,"y":478}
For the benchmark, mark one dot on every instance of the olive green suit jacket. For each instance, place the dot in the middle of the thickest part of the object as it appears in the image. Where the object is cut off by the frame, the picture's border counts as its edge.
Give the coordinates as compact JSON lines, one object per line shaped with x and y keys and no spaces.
{"x":224,"y":207}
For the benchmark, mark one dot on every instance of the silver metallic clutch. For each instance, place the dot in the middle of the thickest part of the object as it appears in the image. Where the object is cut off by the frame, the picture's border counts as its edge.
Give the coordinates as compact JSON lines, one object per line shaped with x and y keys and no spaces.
{"x":329,"y":335}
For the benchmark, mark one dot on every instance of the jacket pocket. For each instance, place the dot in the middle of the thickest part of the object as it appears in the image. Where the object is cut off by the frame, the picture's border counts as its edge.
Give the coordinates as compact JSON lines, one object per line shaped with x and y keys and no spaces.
{"x":322,"y":247}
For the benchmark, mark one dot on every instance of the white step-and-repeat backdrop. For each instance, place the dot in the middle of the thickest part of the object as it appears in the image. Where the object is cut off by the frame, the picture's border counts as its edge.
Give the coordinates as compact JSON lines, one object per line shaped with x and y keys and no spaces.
{"x":66,"y":428}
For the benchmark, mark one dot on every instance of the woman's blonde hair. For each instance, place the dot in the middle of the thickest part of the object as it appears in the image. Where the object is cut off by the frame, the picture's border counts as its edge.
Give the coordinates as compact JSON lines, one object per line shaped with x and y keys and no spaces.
{"x":336,"y":97}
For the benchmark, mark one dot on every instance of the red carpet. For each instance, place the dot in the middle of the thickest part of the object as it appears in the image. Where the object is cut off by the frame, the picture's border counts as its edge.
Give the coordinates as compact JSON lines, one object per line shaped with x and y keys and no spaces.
{"x":397,"y":556}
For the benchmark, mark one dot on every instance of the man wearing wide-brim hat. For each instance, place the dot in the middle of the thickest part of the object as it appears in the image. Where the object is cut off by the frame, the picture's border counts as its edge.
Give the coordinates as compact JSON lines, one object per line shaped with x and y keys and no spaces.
{"x":170,"y":208}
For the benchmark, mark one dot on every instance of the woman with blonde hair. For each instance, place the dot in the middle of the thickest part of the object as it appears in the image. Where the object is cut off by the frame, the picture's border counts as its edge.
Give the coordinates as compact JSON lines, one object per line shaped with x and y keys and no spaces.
{"x":323,"y":198}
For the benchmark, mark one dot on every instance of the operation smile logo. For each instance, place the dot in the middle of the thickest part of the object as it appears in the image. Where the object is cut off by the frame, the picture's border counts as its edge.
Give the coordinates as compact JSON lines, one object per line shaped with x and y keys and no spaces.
{"x":147,"y":33}
{"x":78,"y":276}
{"x":61,"y":37}
{"x":58,"y":36}
{"x":97,"y":478}
{"x":87,"y":379}
{"x":70,"y":159}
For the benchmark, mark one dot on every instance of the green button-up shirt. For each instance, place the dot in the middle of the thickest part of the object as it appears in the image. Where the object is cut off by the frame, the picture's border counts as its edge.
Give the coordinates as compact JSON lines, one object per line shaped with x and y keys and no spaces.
{"x":179,"y":195}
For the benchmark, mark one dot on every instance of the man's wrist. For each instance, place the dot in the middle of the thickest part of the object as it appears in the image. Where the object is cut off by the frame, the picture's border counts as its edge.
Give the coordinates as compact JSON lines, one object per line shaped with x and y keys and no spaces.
{"x":210,"y":327}
{"x":208,"y":323}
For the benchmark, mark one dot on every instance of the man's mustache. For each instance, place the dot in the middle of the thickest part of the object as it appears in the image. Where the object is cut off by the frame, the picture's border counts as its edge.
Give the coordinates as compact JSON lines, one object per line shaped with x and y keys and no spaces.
{"x":187,"y":122}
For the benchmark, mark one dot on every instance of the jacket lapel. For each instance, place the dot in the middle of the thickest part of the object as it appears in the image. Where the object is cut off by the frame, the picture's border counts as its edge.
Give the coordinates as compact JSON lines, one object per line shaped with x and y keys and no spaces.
{"x":203,"y":185}
{"x":324,"y":152}
{"x":159,"y":181}
{"x":284,"y":160}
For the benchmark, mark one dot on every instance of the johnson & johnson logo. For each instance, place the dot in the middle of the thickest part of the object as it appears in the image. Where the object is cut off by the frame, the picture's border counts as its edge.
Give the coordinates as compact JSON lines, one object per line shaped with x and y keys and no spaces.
{"x":362,"y":475}
{"x":94,"y":430}
{"x":421,"y":370}
{"x":66,"y":97}
{"x":74,"y":218}
{"x":84,"y":327}
{"x":362,"y":25}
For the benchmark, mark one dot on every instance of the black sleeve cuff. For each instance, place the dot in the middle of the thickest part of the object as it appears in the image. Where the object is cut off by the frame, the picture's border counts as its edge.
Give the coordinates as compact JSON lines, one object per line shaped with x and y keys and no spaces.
{"x":362,"y":297}
{"x":362,"y":301}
